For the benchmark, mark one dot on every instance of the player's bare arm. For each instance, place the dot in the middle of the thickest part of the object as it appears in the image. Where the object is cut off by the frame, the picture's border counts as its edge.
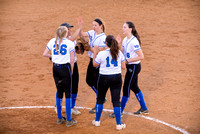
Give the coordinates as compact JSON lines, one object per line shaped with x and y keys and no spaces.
{"x":139,"y":57}
{"x":72,"y":61}
{"x":77,"y":32}
{"x":96,"y":51}
{"x":123,"y":65}
{"x":46,"y":53}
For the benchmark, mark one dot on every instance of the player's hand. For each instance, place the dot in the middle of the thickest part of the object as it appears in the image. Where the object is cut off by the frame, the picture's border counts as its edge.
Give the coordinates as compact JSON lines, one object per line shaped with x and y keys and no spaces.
{"x":102,"y":48}
{"x":80,"y":23}
{"x":96,"y":49}
{"x":118,"y":39}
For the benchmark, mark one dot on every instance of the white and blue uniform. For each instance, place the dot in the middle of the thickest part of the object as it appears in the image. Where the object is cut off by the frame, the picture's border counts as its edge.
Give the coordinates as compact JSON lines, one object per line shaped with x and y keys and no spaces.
{"x":109,"y":77}
{"x":66,"y":48}
{"x":93,"y":73}
{"x":108,"y":66}
{"x":131,"y":46}
{"x":75,"y":80}
{"x":96,"y":40}
{"x":62,"y":73}
{"x":75,"y":57}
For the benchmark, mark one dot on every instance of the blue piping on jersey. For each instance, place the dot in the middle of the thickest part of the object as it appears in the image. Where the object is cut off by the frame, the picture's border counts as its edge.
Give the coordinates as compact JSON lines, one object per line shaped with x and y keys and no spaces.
{"x":96,"y":62}
{"x":94,"y":35}
{"x":137,"y":49}
{"x":130,"y":81}
{"x":88,"y":34}
{"x":92,"y":44}
{"x":48,"y":48}
{"x":72,"y":50}
{"x":127,"y":45}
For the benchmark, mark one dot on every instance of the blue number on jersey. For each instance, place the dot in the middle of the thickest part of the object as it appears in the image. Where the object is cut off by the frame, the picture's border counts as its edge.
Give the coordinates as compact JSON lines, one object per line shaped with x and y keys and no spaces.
{"x":128,"y":55}
{"x":113,"y":61}
{"x":136,"y":46}
{"x":107,"y":59}
{"x":63,"y":49}
{"x":54,"y":50}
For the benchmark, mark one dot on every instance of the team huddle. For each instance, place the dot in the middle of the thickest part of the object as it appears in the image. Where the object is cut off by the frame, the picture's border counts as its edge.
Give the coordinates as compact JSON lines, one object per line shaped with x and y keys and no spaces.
{"x":103,"y":72}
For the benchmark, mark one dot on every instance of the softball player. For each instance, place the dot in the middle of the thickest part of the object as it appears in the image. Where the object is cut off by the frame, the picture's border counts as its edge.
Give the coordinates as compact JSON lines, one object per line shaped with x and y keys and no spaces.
{"x":62,"y":53}
{"x":133,"y":54}
{"x":75,"y":76}
{"x":111,"y":61}
{"x":96,"y":39}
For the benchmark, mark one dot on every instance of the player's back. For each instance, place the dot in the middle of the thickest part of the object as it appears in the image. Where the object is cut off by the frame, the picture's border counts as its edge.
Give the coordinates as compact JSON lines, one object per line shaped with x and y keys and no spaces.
{"x":108,"y":65}
{"x":66,"y":47}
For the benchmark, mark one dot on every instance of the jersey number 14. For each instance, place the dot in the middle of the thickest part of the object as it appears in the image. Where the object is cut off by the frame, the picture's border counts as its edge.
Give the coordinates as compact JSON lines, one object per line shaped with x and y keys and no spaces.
{"x":113,"y":61}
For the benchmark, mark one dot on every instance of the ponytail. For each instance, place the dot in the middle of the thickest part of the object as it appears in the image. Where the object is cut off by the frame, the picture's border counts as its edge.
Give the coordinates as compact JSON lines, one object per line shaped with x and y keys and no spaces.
{"x":113,"y":45}
{"x":134,"y":31}
{"x":60,"y":34}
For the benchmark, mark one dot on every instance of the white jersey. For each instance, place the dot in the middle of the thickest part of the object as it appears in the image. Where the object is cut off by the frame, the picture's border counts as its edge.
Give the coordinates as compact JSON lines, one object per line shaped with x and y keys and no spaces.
{"x":75,"y":58}
{"x":66,"y":47}
{"x":108,"y":66}
{"x":130,"y":47}
{"x":96,"y":40}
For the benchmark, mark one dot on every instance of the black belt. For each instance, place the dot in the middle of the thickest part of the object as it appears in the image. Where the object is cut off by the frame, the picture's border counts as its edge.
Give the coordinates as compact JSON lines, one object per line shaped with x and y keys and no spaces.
{"x":131,"y":65}
{"x":110,"y":75}
{"x":61,"y":65}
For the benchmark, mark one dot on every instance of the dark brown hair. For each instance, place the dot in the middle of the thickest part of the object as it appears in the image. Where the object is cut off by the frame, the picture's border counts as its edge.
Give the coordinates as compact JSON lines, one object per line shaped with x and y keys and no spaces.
{"x":100,"y":22}
{"x":134,"y":31}
{"x":113,"y":45}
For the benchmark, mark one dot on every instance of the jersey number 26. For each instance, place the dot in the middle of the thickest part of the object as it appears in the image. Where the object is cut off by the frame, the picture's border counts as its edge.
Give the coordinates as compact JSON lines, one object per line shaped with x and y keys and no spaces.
{"x":63,"y":49}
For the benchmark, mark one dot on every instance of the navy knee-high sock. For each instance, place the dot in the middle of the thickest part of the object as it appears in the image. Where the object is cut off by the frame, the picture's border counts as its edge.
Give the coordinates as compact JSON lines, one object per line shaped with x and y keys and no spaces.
{"x":117,"y":111}
{"x":59,"y":107}
{"x":99,"y":109}
{"x":123,"y":103}
{"x":74,"y":96}
{"x":140,"y":98}
{"x":68,"y":108}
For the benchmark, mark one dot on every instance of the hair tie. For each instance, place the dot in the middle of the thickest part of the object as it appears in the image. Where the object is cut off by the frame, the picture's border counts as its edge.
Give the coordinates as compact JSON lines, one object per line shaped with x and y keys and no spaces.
{"x":108,"y":44}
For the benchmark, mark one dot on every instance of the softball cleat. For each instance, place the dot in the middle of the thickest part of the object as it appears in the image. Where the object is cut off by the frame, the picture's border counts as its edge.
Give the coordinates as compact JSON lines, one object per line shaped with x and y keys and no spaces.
{"x":71,"y":123}
{"x":96,"y":123}
{"x":141,"y":111}
{"x":120,"y":127}
{"x":60,"y":121}
{"x":75,"y":111}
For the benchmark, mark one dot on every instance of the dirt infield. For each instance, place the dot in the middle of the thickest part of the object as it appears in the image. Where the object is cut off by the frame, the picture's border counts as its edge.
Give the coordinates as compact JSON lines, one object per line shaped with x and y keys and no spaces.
{"x":170,"y":76}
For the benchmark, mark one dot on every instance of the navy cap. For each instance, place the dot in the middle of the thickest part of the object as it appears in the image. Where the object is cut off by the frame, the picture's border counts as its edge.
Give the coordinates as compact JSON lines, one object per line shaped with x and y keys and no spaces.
{"x":67,"y":25}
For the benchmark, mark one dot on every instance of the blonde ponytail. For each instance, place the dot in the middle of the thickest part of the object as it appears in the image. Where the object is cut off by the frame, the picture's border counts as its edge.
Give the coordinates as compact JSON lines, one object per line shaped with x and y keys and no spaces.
{"x":61,"y":32}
